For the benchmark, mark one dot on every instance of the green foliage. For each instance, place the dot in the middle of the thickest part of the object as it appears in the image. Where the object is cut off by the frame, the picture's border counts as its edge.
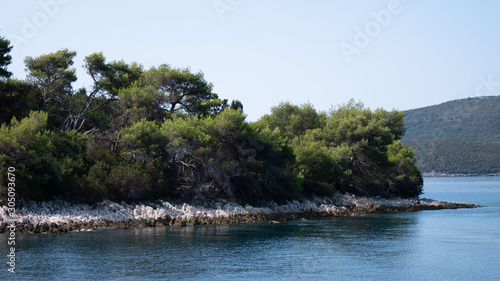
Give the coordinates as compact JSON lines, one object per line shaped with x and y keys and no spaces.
{"x":236,"y":104}
{"x":346,"y":149}
{"x":165,"y":91}
{"x":129,"y":182}
{"x":43,"y":159}
{"x":274,"y":139}
{"x":144,"y":134}
{"x":17,"y":98}
{"x":26,"y":134}
{"x":110,"y":78}
{"x":100,"y":119}
{"x":228,"y":126}
{"x":408,"y":176}
{"x":182,"y":92}
{"x":293,"y":120}
{"x":53,"y":75}
{"x":314,"y":162}
{"x":401,"y":155}
{"x":142,"y":102}
{"x":19,"y":146}
{"x":248,"y":161}
{"x":5,"y":58}
{"x":97,"y":180}
{"x":140,"y":135}
{"x":352,"y":123}
{"x":178,"y":131}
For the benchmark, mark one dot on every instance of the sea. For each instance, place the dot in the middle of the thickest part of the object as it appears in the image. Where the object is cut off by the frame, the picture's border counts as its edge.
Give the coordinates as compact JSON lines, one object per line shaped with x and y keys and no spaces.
{"x":462,"y":244}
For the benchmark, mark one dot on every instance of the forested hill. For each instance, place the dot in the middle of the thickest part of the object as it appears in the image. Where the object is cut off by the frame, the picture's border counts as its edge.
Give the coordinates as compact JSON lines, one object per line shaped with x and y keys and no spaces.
{"x":466,"y":119}
{"x":456,"y":137}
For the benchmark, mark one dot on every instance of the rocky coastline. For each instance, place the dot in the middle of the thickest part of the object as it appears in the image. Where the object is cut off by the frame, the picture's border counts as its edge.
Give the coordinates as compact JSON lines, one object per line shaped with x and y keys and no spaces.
{"x":60,"y":216}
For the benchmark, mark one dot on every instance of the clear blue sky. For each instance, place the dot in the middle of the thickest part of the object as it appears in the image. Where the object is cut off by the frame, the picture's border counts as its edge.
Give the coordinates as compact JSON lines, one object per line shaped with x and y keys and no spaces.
{"x":392,"y":54}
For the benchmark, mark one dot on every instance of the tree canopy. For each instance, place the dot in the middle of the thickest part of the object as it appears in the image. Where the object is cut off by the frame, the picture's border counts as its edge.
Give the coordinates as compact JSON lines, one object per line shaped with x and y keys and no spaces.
{"x":347,"y":149}
{"x":138,"y":134}
{"x":52,"y":74}
{"x":163,"y":91}
{"x":5,"y":58}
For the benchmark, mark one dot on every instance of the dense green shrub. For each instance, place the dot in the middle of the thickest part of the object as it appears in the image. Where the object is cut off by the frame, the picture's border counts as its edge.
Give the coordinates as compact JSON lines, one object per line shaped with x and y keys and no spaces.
{"x":17,"y":98}
{"x":47,"y":164}
{"x":129,"y":182}
{"x":347,"y":149}
{"x":292,"y":120}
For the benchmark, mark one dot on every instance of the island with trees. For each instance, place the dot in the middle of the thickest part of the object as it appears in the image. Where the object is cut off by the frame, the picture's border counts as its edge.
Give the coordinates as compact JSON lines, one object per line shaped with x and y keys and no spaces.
{"x":163,"y":135}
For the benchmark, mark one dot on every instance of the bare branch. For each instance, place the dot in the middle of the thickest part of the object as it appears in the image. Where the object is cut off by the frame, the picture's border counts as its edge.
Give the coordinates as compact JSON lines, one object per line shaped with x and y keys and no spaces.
{"x":104,"y":103}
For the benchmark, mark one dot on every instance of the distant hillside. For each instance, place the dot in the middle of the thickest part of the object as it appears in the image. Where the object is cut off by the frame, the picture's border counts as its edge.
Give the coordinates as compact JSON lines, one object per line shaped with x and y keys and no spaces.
{"x":466,"y":119}
{"x":456,"y":156}
{"x":456,"y":137}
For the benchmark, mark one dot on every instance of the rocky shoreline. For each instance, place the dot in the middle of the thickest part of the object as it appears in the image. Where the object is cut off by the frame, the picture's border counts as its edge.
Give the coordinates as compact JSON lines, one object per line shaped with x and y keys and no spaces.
{"x":60,"y":216}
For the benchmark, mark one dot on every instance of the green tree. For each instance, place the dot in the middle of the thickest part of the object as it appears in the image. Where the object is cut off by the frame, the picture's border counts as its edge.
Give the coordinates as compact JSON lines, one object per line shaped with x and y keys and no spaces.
{"x":47,"y":163}
{"x":292,"y":120}
{"x":142,"y":102}
{"x":109,"y":78}
{"x":73,"y":111}
{"x":140,"y":140}
{"x":183,"y":92}
{"x":17,"y":99}
{"x":5,"y":58}
{"x":236,"y":104}
{"x":21,"y":146}
{"x":346,"y":149}
{"x":228,"y":127}
{"x":408,"y":182}
{"x":53,"y":75}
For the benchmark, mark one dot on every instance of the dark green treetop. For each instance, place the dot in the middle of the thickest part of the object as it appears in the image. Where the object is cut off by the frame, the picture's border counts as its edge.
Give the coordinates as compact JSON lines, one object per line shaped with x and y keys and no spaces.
{"x":164,"y":90}
{"x":53,"y":75}
{"x":182,"y":91}
{"x":5,"y":58}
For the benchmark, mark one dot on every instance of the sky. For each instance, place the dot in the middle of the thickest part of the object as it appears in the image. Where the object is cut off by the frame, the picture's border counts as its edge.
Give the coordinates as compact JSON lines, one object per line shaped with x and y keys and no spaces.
{"x":393,"y":54}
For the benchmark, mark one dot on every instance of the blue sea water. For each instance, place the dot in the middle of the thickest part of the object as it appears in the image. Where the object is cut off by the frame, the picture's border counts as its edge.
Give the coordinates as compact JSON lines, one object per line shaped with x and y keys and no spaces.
{"x":461,"y":244}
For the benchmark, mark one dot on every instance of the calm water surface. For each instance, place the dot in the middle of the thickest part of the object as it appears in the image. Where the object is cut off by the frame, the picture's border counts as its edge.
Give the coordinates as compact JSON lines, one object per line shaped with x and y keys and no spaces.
{"x":427,"y":245}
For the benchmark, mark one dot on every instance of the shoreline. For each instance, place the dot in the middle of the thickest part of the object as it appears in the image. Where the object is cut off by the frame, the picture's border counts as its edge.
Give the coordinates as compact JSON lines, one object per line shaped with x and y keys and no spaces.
{"x":60,"y":216}
{"x":445,"y":175}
